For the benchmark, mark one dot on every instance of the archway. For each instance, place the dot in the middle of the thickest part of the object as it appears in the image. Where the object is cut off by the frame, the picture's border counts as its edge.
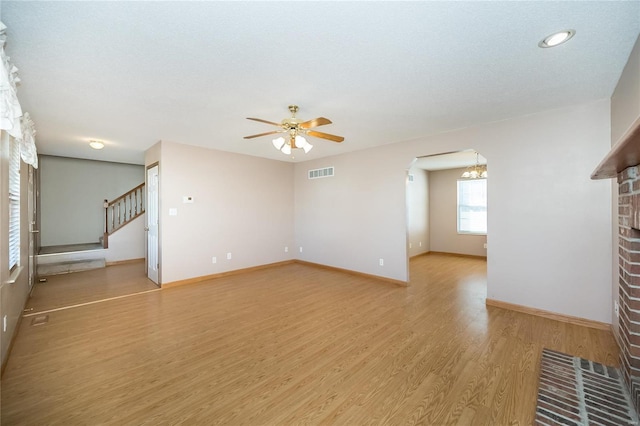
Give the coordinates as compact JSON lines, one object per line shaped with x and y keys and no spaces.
{"x":446,"y":207}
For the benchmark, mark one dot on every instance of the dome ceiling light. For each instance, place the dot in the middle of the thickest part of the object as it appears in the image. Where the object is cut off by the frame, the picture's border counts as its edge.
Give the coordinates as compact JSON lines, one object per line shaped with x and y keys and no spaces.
{"x":96,"y":144}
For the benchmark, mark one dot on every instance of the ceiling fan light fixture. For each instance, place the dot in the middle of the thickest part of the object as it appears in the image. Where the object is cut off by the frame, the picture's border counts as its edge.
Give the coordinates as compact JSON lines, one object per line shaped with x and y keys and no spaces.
{"x":278,"y":143}
{"x":303,"y":144}
{"x":294,"y":127}
{"x":557,"y":39}
{"x":300,"y":142}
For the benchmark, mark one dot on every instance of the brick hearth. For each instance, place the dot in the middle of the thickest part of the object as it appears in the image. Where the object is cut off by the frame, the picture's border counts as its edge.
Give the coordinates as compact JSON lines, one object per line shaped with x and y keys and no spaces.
{"x":575,"y":391}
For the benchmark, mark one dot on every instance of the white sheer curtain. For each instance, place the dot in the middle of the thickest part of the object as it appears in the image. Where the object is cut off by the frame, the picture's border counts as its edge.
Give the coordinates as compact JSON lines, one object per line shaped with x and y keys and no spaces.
{"x":28,"y":143}
{"x":12,"y":120}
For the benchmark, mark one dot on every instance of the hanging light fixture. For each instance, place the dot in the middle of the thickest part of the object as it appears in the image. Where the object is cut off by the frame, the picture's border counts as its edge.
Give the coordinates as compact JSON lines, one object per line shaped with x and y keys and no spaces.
{"x":477,"y":171}
{"x":278,"y":143}
{"x":302,"y":143}
{"x":293,"y":129}
{"x":295,"y":141}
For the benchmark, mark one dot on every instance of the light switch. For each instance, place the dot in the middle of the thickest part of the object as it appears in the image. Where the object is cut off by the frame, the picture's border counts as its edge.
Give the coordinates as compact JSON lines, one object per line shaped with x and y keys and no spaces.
{"x":173,"y":212}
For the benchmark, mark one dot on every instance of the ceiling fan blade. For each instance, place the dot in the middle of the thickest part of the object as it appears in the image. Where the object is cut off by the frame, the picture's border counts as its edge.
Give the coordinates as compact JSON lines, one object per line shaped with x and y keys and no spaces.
{"x":333,"y":138}
{"x":320,"y":121}
{"x":263,"y":121}
{"x":264,"y":134}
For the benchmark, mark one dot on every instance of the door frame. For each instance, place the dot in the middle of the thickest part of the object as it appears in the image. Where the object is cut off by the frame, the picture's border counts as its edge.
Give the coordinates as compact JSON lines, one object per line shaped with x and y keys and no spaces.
{"x":33,"y":214}
{"x":158,"y":248}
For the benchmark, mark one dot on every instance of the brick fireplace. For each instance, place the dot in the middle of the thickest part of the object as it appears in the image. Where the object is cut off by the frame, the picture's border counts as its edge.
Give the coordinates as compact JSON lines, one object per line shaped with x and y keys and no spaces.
{"x":629,"y":278}
{"x":623,"y":163}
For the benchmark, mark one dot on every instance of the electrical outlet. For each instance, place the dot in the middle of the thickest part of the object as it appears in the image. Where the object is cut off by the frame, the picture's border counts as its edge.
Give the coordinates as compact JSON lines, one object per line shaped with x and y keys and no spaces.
{"x":616,"y":308}
{"x":381,"y":262}
{"x":228,"y":256}
{"x":420,"y":244}
{"x":409,"y":245}
{"x":4,"y":323}
{"x":300,"y":249}
{"x":214,"y":259}
{"x":485,"y":245}
{"x":286,"y":249}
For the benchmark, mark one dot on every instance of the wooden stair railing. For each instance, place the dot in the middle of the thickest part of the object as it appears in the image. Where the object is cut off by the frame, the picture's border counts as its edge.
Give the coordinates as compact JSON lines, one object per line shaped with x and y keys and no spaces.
{"x":122,"y":210}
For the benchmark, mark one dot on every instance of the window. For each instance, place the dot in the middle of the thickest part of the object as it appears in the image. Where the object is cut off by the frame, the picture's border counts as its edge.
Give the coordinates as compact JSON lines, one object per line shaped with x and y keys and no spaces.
{"x":472,"y":206}
{"x":14,"y":205}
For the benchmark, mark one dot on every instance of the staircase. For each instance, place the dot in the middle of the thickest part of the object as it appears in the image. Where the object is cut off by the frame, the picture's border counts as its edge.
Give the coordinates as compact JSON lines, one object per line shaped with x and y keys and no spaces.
{"x":122,"y":210}
{"x":118,"y":213}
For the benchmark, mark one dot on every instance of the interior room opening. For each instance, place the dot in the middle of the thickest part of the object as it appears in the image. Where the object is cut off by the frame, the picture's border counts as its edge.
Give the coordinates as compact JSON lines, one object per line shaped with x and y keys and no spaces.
{"x":447,"y":204}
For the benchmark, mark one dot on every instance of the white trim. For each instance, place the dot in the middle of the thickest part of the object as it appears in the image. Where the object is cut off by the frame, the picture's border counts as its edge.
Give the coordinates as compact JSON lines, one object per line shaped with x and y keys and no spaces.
{"x":13,"y":277}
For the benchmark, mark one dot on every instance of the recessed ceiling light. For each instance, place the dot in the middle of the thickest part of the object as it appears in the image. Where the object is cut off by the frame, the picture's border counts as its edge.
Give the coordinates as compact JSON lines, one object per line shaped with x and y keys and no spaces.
{"x":96,"y":144}
{"x":557,"y":38}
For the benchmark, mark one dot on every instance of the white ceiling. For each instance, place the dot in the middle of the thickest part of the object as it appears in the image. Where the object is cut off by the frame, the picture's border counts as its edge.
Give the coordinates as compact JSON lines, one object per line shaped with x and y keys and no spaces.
{"x":133,"y":73}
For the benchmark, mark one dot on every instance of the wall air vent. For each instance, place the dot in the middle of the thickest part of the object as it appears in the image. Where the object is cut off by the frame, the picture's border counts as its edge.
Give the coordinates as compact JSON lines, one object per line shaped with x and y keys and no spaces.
{"x":321,"y":173}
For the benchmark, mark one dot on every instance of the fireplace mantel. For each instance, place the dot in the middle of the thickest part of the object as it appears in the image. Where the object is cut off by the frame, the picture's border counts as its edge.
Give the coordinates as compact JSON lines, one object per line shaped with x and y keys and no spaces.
{"x":624,"y":154}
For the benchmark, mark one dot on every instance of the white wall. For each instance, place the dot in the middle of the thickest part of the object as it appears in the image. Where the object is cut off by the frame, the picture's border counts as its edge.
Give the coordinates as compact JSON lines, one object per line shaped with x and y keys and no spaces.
{"x":12,"y":296}
{"x":72,"y":193}
{"x":128,"y":242}
{"x":625,"y":100}
{"x":443,"y":216}
{"x":242,"y":205}
{"x":357,"y":217}
{"x":549,"y":228}
{"x":418,"y":212}
{"x":625,"y":109}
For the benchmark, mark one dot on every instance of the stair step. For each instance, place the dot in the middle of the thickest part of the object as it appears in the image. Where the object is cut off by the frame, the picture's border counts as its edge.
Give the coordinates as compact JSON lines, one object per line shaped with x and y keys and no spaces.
{"x":70,"y":266}
{"x":66,"y":248}
{"x":71,"y":256}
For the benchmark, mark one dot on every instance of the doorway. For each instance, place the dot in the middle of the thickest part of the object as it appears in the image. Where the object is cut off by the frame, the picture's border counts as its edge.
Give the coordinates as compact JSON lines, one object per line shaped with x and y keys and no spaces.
{"x":63,"y":289}
{"x":444,"y":212}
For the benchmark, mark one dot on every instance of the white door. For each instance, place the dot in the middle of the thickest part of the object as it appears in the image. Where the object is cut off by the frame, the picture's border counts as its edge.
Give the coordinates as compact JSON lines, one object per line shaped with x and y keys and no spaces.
{"x":153,"y":262}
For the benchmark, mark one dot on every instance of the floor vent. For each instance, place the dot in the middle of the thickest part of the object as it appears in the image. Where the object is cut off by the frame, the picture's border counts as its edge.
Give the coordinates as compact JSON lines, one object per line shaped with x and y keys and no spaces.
{"x":321,"y":173}
{"x":40,"y":320}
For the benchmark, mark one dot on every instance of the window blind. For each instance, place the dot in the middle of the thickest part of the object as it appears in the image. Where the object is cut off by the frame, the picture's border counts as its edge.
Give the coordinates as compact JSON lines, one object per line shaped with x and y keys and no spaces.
{"x":472,"y":206}
{"x":14,"y":204}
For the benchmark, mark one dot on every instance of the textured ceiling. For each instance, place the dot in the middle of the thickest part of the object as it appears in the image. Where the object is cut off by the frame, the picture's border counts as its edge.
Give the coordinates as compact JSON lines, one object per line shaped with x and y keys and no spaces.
{"x":133,"y":73}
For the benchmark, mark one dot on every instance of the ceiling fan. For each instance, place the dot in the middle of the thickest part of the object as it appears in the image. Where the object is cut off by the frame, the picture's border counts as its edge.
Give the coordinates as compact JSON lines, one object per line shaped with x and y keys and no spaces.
{"x":295,"y":128}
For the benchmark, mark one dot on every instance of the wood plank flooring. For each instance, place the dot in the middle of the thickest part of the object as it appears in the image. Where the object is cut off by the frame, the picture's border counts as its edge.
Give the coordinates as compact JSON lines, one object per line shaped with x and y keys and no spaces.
{"x":294,"y":344}
{"x":89,"y":286}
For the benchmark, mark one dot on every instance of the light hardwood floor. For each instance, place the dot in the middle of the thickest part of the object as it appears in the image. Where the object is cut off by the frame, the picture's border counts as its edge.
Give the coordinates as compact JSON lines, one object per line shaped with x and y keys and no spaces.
{"x":294,"y":344}
{"x":65,"y":290}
